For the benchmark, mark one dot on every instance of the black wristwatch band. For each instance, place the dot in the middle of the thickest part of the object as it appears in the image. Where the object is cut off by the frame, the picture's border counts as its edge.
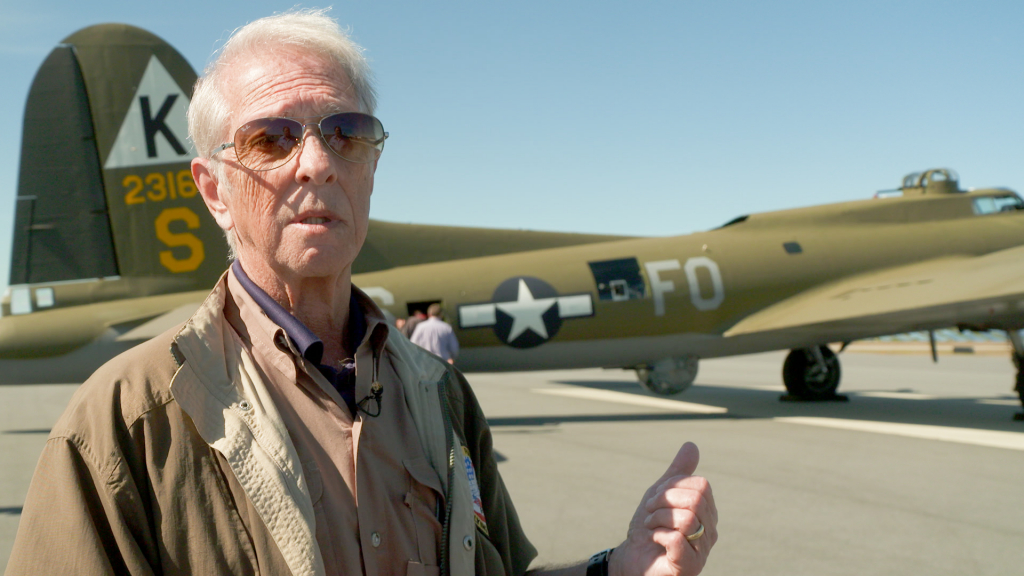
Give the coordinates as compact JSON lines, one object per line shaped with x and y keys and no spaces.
{"x":598,"y":565}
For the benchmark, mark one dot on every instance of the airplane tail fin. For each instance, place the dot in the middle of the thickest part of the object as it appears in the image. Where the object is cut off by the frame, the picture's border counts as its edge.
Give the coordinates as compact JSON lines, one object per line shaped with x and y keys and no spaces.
{"x":105,"y":190}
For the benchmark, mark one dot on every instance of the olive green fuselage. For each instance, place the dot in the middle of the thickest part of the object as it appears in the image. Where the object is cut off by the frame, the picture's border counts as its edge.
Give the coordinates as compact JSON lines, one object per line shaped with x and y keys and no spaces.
{"x":684,"y":308}
{"x":685,"y":292}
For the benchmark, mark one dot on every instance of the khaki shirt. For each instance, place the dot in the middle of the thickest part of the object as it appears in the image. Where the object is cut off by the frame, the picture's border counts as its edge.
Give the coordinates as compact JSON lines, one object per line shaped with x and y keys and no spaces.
{"x":375,"y":496}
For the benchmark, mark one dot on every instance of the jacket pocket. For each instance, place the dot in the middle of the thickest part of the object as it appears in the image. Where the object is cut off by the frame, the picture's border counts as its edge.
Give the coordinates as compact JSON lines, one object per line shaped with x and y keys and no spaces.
{"x":426,"y":506}
{"x":417,"y":569}
{"x":315,"y":485}
{"x":487,"y":559}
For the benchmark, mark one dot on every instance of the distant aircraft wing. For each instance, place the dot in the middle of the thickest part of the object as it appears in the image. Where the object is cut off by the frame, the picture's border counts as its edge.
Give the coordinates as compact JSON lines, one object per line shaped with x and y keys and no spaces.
{"x":61,"y":330}
{"x":161,"y":323}
{"x":983,"y":290}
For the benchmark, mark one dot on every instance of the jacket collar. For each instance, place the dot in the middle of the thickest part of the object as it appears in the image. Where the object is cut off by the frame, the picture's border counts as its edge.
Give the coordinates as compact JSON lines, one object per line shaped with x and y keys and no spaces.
{"x":211,"y":348}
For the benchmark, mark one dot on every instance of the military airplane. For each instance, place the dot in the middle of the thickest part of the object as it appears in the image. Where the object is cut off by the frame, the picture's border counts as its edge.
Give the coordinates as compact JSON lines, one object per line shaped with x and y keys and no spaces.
{"x":113,"y":245}
{"x":927,"y":256}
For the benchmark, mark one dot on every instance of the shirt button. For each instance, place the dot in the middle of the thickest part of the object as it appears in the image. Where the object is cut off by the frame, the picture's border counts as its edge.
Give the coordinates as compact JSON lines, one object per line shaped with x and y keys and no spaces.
{"x":375,"y":539}
{"x":467,"y":542}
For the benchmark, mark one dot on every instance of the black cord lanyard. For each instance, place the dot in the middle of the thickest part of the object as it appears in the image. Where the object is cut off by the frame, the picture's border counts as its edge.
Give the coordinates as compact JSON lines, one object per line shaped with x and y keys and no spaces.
{"x":376,"y":391}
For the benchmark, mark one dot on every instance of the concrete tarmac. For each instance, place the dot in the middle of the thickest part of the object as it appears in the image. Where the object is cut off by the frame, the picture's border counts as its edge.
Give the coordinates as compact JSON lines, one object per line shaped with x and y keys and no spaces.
{"x":919,"y":472}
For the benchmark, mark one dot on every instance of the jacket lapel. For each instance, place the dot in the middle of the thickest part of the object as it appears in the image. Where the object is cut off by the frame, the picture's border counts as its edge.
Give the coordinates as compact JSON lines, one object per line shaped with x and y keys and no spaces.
{"x":218,"y":386}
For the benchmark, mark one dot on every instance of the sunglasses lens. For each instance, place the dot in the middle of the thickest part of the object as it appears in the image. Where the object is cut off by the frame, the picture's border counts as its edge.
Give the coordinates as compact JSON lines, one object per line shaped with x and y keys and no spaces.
{"x":267,"y":143}
{"x":353,"y":136}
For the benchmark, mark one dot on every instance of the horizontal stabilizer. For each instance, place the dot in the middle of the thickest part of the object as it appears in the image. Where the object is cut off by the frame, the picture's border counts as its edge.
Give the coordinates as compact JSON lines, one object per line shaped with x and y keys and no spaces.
{"x":59,"y":331}
{"x":160,"y":324}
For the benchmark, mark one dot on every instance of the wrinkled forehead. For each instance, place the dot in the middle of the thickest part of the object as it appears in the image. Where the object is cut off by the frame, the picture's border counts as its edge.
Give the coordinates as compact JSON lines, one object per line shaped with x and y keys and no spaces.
{"x":286,"y":83}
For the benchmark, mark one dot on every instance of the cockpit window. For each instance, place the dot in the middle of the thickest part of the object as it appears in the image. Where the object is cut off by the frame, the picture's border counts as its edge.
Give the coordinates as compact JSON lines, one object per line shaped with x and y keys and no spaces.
{"x":995,"y":204}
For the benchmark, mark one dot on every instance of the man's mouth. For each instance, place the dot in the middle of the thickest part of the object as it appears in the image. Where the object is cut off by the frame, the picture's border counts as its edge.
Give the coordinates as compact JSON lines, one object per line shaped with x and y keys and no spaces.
{"x":316,"y":220}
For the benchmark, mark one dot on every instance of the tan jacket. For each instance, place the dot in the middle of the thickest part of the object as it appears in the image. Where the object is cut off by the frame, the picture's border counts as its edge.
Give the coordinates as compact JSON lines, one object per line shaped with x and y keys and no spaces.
{"x":171,"y":459}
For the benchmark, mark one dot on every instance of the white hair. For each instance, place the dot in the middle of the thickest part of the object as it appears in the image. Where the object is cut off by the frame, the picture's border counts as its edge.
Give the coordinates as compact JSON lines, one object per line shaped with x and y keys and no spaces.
{"x":224,"y":188}
{"x":306,"y":31}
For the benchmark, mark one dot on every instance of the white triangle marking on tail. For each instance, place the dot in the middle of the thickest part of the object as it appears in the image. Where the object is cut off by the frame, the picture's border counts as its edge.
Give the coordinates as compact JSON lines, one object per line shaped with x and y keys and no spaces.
{"x":155,"y":129}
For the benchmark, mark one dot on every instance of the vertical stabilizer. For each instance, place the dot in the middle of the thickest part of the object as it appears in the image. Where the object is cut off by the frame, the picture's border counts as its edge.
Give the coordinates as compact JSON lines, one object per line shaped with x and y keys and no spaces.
{"x":105,"y":188}
{"x":61,"y":230}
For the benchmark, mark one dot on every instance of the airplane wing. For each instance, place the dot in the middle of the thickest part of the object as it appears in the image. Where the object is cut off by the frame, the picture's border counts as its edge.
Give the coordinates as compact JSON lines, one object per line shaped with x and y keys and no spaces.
{"x":161,"y":323}
{"x":985,"y":291}
{"x":61,"y":330}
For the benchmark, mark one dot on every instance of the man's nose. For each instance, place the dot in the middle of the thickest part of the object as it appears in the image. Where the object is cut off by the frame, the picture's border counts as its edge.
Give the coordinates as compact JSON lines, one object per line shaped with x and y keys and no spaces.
{"x":316,"y":162}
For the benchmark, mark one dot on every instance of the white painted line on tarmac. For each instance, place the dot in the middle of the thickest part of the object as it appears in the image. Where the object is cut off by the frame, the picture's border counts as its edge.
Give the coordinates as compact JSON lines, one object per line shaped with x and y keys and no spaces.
{"x":990,"y":438}
{"x":633,"y":399}
{"x":999,"y":402}
{"x":743,"y":386}
{"x":895,"y":395}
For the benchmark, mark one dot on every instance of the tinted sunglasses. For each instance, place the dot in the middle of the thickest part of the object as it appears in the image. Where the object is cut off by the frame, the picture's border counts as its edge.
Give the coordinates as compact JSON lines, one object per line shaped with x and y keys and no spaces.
{"x":266,"y":143}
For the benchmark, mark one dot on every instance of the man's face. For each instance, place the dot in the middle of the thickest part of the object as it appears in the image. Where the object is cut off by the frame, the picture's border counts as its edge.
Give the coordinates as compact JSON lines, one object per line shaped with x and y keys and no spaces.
{"x":307,"y":218}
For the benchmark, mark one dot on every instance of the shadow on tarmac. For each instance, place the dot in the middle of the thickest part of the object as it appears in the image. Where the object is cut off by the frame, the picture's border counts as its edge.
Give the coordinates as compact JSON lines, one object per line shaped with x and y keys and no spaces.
{"x":753,"y":403}
{"x":582,"y":418}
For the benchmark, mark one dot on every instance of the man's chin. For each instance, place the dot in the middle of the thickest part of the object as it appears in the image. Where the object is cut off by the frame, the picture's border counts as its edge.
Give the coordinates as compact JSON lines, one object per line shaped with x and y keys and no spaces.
{"x":320,"y":262}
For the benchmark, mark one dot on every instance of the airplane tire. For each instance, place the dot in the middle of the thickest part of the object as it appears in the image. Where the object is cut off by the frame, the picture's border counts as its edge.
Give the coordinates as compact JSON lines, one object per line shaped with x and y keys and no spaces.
{"x":1020,"y":386}
{"x":799,"y":376}
{"x":669,"y":376}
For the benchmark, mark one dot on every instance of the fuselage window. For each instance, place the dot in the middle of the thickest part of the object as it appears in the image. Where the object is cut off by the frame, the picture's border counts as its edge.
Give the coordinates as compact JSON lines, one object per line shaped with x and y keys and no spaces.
{"x":995,"y":204}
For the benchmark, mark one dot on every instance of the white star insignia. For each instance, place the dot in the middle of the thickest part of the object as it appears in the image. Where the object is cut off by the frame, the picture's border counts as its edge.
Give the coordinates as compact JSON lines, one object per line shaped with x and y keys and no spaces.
{"x":527,"y":313}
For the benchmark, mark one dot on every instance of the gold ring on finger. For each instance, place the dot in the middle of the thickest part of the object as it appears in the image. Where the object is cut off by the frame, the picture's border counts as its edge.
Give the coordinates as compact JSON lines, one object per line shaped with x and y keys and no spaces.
{"x":697,"y":534}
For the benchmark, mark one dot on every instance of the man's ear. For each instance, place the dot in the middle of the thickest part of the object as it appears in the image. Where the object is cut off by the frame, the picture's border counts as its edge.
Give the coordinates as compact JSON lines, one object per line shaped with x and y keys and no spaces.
{"x":208,"y":186}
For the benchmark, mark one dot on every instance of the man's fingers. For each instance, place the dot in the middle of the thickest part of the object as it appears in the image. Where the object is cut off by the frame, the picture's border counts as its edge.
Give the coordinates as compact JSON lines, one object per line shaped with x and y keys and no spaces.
{"x":704,"y":511}
{"x":674,"y":543}
{"x":698,"y":483}
{"x":667,"y":489}
{"x":692,"y":492}
{"x":684,"y":463}
{"x":681,"y":520}
{"x":676,"y":506}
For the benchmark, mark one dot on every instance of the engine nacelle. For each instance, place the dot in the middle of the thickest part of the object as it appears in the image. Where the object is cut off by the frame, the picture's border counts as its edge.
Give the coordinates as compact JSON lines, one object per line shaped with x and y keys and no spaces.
{"x":669,"y":375}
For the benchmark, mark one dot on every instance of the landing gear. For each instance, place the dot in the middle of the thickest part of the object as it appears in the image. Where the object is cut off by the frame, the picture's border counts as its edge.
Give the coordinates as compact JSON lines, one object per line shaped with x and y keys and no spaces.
{"x":668,"y":376}
{"x":1018,"y":361}
{"x":1019,"y":387}
{"x":812,"y":374}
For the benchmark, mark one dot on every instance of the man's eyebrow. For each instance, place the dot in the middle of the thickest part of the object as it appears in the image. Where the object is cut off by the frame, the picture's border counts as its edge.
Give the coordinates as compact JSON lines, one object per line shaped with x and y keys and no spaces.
{"x":314,"y":116}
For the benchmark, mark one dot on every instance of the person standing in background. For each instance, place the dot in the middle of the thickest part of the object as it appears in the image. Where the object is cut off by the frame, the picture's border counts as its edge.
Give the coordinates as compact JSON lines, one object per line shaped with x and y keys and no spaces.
{"x":411,"y":323}
{"x":436,"y":335}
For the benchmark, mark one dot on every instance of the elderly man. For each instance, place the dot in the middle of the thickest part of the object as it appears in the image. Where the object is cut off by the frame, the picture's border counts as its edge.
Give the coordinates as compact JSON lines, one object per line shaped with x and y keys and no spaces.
{"x":285,"y":428}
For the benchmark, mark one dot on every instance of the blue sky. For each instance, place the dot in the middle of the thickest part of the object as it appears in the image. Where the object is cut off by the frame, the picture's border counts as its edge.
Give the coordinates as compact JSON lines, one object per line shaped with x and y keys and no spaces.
{"x":647,"y":118}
